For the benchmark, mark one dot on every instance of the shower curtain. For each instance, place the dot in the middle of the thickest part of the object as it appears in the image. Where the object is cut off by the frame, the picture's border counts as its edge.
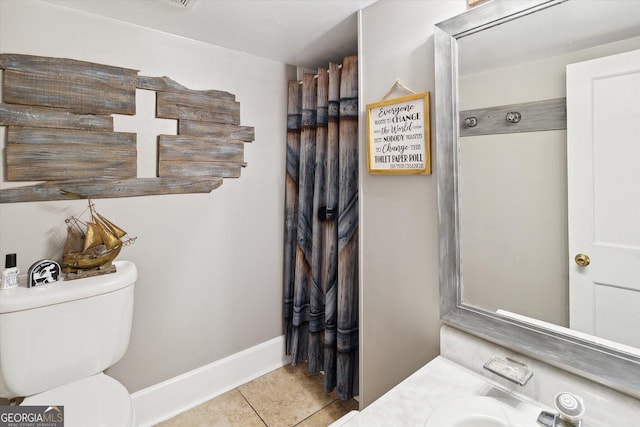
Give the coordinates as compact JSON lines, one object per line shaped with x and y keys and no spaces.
{"x":321,"y":225}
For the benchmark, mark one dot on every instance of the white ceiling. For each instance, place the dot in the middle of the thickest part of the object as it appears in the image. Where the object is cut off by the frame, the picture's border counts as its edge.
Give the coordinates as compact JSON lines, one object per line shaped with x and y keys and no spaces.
{"x":306,"y":33}
{"x":565,"y":27}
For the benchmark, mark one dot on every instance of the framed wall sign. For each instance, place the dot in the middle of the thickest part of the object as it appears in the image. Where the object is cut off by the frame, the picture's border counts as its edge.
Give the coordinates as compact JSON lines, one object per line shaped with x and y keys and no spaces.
{"x":398,"y":135}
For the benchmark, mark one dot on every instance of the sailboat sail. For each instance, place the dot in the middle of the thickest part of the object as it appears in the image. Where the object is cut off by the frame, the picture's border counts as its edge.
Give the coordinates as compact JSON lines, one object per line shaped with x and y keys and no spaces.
{"x":93,"y":237}
{"x":110,"y":240}
{"x":119,"y":232}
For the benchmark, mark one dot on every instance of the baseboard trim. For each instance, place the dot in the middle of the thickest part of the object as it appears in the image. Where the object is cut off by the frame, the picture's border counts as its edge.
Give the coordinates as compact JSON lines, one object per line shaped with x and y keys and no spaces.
{"x":171,"y":397}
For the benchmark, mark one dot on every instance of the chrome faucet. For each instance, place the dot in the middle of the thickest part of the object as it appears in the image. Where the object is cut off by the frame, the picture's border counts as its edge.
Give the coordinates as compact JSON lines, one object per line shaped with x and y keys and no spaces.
{"x":570,"y":411}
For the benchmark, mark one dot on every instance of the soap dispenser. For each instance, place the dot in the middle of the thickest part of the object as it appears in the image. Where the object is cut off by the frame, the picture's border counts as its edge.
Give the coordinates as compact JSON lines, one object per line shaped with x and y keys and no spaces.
{"x":570,"y":411}
{"x":10,"y":273}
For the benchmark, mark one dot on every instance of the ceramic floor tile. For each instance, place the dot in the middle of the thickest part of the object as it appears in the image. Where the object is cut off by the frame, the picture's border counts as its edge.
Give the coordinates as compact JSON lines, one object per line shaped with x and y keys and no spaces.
{"x":329,"y":413}
{"x":287,"y":396}
{"x":227,"y":410}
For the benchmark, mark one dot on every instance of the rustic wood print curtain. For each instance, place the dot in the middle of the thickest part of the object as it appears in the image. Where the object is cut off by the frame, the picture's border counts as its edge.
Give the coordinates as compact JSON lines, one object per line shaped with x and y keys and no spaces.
{"x":321,"y":224}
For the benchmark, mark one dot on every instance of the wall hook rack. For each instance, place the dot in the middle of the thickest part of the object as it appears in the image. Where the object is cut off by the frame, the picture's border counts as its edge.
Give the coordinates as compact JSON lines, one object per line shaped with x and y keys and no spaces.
{"x":548,"y":114}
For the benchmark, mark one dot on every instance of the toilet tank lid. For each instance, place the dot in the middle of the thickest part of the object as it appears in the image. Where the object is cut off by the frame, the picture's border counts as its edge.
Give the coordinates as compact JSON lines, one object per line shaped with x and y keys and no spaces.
{"x":23,"y":298}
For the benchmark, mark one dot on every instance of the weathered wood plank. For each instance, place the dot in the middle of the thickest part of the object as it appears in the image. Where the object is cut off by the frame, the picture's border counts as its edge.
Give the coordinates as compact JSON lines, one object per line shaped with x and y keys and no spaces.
{"x":304,"y":289}
{"x":549,"y":114}
{"x":331,"y":225}
{"x":101,"y":189}
{"x":193,"y":169}
{"x":49,"y":162}
{"x":74,"y":93}
{"x":21,"y":115}
{"x":144,"y":186}
{"x":194,"y":107}
{"x":65,"y":66}
{"x":200,"y":100}
{"x":197,"y":106}
{"x":320,"y":265}
{"x":294,"y":118}
{"x":347,"y":298}
{"x":165,"y":84}
{"x":198,"y":148}
{"x":29,"y":135}
{"x":220,"y":130}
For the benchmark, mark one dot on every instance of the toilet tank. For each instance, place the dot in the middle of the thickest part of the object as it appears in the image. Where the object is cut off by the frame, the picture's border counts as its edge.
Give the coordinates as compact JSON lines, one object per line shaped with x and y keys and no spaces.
{"x":53,"y":334}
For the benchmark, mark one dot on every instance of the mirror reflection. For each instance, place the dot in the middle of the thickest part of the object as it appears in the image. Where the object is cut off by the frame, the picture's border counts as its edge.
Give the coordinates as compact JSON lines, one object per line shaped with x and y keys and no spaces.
{"x":528,"y":208}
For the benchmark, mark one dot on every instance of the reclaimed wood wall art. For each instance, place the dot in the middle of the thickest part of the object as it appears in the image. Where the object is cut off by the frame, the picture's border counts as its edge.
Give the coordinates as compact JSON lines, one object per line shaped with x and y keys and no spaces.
{"x":60,"y":132}
{"x":534,"y":116}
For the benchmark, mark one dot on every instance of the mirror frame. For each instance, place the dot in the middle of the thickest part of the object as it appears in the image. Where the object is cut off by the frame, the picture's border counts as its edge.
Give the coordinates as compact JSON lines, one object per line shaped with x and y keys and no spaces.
{"x":573,"y":353}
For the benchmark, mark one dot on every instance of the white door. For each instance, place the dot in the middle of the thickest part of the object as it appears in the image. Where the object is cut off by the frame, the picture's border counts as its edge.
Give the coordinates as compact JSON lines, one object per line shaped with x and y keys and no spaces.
{"x":603,"y":152}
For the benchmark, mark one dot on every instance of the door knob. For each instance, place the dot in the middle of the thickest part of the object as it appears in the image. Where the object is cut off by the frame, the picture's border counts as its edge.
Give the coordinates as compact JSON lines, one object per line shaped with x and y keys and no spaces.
{"x":583,"y":260}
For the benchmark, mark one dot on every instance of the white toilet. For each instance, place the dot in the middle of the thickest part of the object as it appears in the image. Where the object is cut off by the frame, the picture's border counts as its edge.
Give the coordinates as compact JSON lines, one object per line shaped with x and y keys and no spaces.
{"x":57,"y":339}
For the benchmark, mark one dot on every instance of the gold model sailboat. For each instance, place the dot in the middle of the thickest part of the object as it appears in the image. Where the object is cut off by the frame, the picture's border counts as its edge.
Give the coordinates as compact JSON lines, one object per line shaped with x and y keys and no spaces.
{"x":91,"y":246}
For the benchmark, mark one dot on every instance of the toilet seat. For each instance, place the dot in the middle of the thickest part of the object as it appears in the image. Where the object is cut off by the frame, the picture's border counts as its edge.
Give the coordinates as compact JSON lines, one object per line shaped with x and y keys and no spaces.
{"x":98,"y":400}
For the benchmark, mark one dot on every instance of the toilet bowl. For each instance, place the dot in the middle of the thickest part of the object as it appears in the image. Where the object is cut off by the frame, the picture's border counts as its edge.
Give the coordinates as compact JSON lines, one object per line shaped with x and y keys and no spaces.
{"x":95,"y":401}
{"x":57,"y":339}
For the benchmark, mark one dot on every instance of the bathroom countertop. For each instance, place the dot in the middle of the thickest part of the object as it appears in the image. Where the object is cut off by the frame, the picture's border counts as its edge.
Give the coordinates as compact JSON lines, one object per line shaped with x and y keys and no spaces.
{"x":411,"y":402}
{"x":458,"y":372}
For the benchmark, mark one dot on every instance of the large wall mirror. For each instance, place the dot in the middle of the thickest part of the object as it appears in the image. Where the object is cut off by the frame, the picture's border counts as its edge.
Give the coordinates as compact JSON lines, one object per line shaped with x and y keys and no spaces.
{"x":537,"y":104}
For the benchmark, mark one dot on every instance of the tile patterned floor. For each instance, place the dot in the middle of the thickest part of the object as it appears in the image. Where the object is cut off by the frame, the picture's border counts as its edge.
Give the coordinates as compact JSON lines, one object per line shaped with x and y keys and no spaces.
{"x":286,"y":397}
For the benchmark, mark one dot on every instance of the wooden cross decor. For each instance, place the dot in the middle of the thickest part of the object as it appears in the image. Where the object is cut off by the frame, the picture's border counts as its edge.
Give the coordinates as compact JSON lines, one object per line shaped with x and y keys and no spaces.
{"x":58,"y":114}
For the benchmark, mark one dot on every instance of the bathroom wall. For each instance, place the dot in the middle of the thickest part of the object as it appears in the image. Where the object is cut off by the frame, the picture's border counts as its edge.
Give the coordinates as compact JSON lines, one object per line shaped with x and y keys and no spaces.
{"x":399,"y":223}
{"x":210,"y":265}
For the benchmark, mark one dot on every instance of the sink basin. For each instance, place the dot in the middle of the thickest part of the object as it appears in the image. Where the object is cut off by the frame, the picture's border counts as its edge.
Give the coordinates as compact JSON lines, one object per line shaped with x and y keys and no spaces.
{"x":484,"y":411}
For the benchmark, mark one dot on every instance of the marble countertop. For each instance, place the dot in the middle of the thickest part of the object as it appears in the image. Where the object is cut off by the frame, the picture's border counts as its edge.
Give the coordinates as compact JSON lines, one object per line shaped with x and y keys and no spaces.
{"x":412,"y":401}
{"x":458,"y":373}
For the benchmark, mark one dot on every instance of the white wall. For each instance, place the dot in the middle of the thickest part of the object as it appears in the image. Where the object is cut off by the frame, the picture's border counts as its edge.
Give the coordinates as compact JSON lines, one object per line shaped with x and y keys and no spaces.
{"x":210,"y":265}
{"x":399,"y":224}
